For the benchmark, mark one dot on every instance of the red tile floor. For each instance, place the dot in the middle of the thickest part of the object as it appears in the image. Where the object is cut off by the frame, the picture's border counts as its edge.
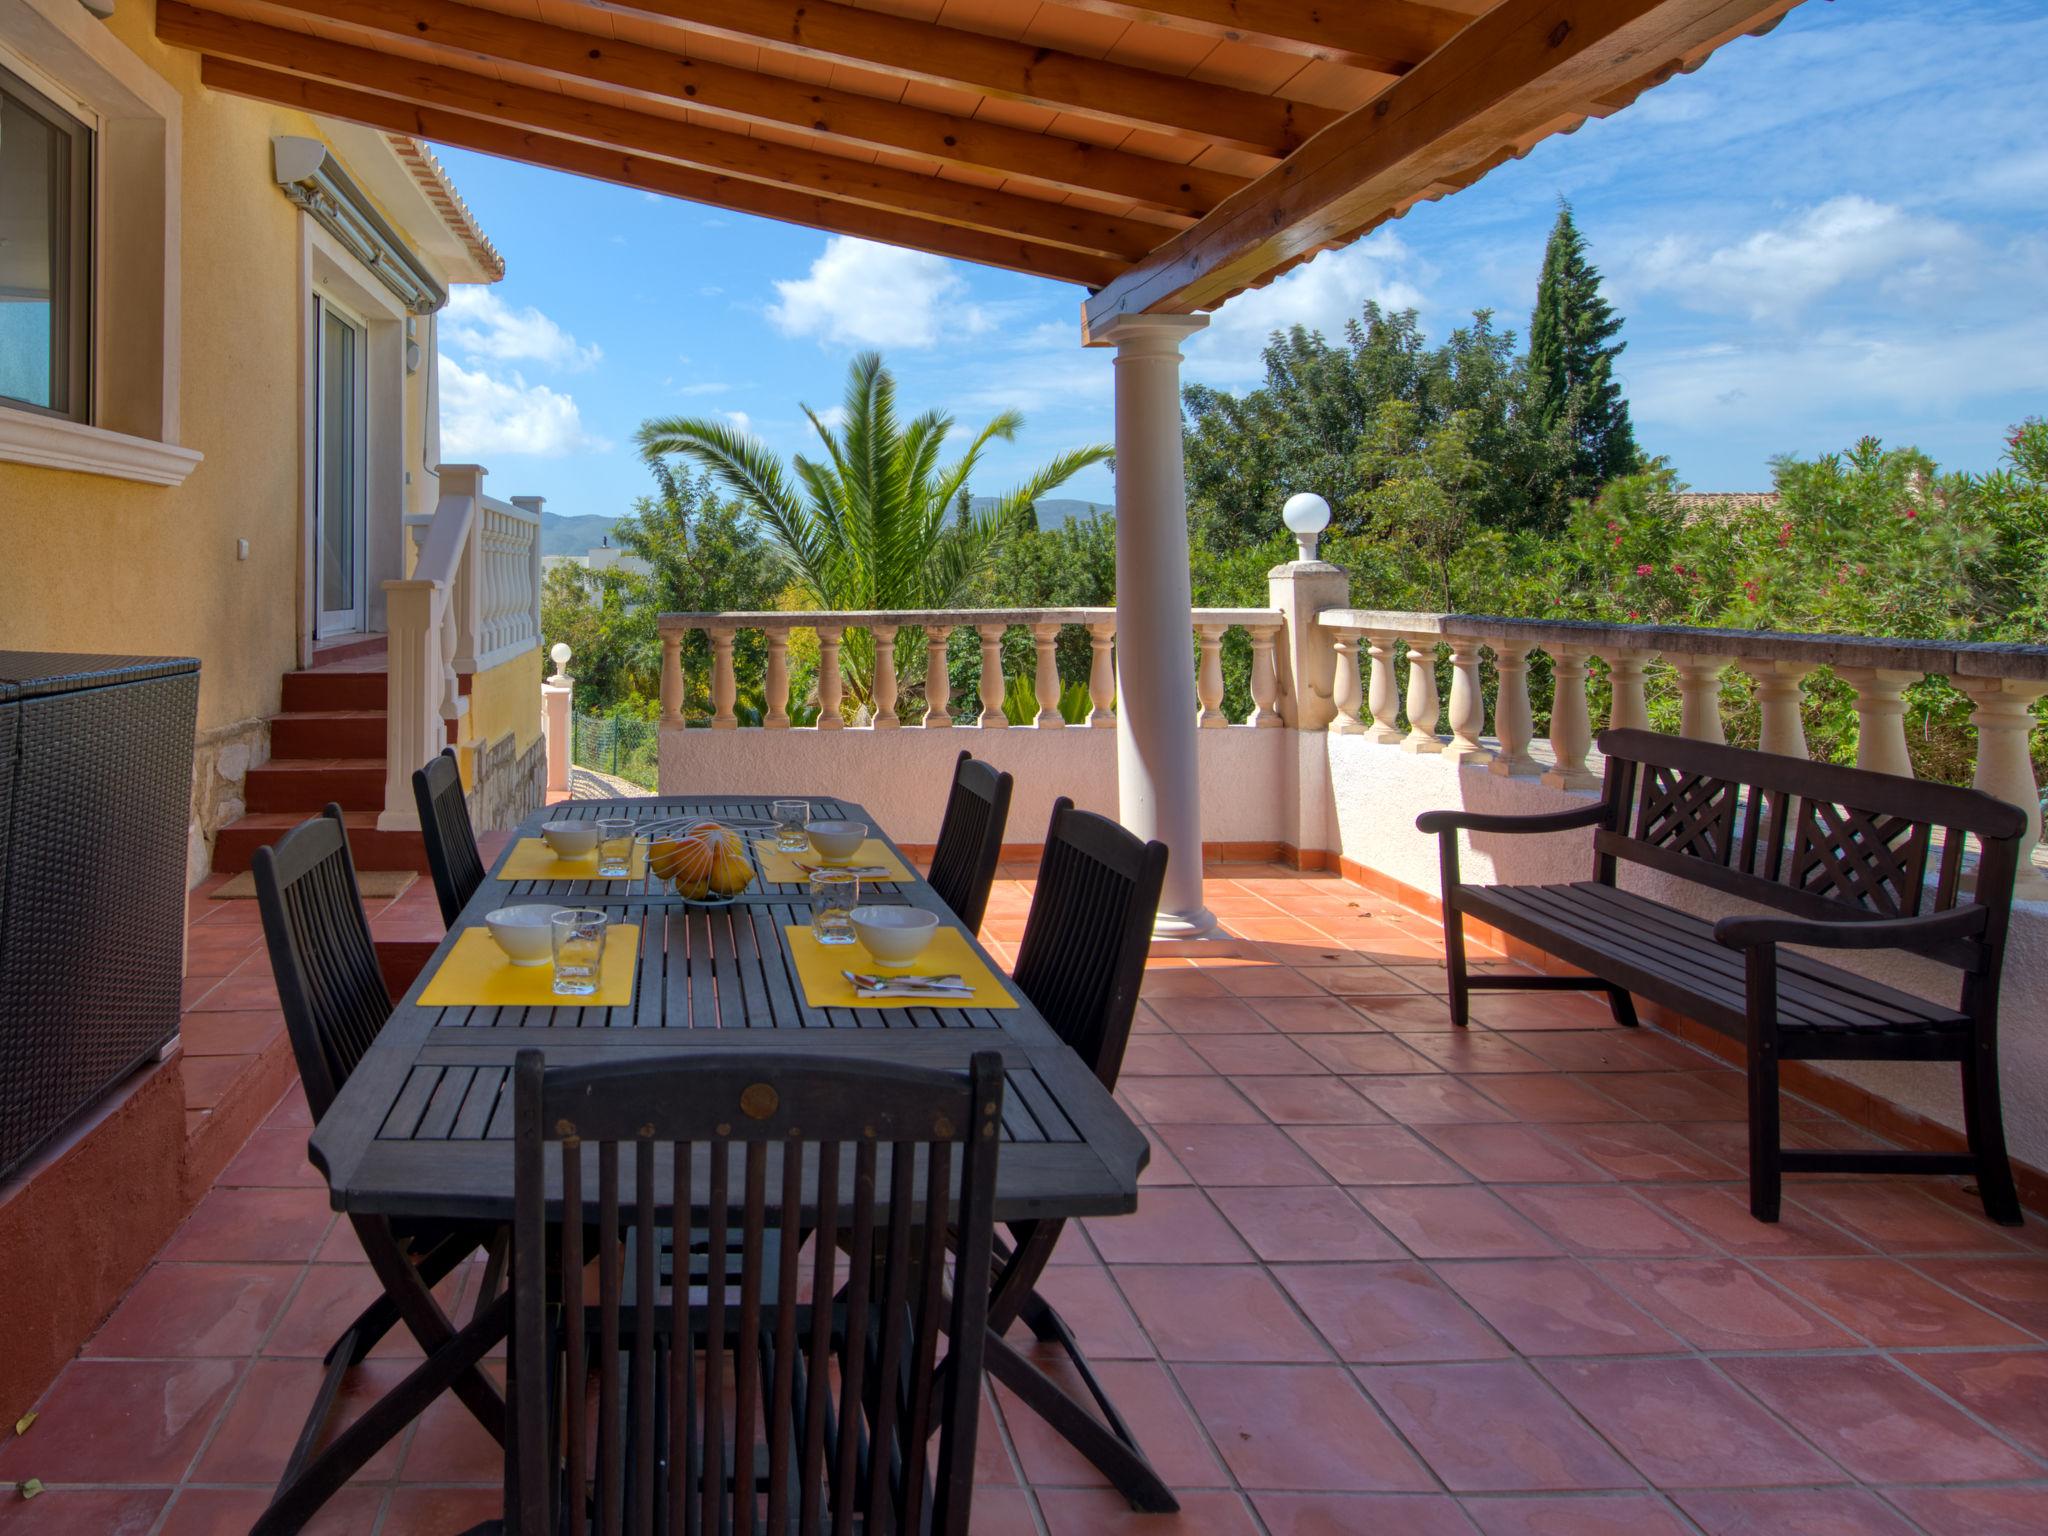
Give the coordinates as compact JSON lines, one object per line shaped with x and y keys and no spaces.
{"x":1384,"y":1278}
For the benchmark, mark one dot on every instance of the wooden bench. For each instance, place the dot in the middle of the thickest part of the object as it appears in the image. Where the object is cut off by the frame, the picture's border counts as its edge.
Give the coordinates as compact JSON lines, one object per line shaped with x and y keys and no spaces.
{"x":1849,"y":856}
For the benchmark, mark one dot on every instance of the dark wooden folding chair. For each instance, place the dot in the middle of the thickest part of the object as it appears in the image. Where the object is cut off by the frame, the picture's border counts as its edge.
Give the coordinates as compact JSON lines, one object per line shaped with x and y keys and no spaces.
{"x":740,"y":1400}
{"x":335,"y":1003}
{"x":452,"y":856}
{"x":971,"y":839}
{"x":1081,"y":963}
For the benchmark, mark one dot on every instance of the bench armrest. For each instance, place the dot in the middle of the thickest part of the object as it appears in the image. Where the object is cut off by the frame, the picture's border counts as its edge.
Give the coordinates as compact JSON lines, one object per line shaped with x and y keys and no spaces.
{"x":1479,"y":821}
{"x":1926,"y":932}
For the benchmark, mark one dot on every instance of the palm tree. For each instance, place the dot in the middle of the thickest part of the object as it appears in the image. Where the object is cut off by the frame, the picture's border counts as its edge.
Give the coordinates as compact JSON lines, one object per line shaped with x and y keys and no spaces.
{"x":877,"y":523}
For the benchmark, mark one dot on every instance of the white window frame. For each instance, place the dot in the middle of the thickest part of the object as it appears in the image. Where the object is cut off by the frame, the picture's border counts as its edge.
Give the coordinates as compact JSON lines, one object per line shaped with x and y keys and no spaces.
{"x":132,"y":433}
{"x":354,"y":618}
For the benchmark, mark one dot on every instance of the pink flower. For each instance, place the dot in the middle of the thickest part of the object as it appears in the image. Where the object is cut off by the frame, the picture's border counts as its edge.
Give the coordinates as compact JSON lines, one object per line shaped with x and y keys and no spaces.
{"x":1784,"y":534}
{"x":1912,"y":512}
{"x":1644,"y":570}
{"x":1677,"y":569}
{"x":1634,"y":617}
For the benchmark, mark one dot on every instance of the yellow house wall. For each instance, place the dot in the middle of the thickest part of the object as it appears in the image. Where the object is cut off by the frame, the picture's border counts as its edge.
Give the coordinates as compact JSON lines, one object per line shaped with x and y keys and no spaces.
{"x":506,"y":698}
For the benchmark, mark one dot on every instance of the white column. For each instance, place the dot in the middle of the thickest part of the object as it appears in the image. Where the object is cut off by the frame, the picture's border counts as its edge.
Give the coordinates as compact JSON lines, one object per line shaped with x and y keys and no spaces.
{"x":1881,"y":717}
{"x":1383,"y":695}
{"x":1209,"y":678}
{"x":1306,"y":651}
{"x":2004,"y":717}
{"x":1468,"y":707}
{"x":1044,"y":637}
{"x":829,"y":681}
{"x":1512,"y":722}
{"x":992,"y":716}
{"x":1101,"y":676}
{"x":723,"y":687}
{"x":413,"y":708}
{"x":775,"y":685}
{"x":1571,"y":732}
{"x":1423,"y":704}
{"x":885,"y":678}
{"x":1699,"y":697}
{"x":1159,"y":791}
{"x":671,"y":680}
{"x":1778,"y":698}
{"x":1265,"y":713}
{"x":1628,"y":705}
{"x":938,"y":685}
{"x":1345,"y":693}
{"x":557,"y":719}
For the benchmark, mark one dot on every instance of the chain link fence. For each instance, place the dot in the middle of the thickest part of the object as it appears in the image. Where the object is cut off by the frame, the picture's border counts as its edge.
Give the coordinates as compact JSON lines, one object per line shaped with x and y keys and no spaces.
{"x":619,"y":745}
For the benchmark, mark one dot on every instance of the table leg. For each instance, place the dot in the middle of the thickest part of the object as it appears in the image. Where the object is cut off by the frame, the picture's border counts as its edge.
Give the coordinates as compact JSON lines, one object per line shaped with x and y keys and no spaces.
{"x":1112,"y":1450}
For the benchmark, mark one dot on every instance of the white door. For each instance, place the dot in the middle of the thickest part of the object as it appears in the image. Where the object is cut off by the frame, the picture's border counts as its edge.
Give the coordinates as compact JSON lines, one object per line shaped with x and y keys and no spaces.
{"x":340,"y":468}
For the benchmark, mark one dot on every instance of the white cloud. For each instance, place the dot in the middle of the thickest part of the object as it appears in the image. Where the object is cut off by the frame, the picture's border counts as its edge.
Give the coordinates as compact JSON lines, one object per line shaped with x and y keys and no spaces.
{"x":479,"y":324}
{"x":483,"y":417}
{"x":741,"y":421}
{"x":1322,"y":295}
{"x":833,"y":417}
{"x":702,"y":387}
{"x":862,"y":294}
{"x":1776,"y":274}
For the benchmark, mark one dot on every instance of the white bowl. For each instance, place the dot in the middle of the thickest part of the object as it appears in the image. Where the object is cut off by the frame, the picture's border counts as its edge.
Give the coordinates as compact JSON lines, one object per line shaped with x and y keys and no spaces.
{"x":570,"y":839}
{"x":837,"y":841}
{"x":523,"y":933}
{"x":894,"y":935}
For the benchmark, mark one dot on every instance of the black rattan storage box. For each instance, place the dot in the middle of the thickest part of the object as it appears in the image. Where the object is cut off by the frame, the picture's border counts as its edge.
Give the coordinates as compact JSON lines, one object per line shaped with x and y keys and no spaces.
{"x":95,"y":798}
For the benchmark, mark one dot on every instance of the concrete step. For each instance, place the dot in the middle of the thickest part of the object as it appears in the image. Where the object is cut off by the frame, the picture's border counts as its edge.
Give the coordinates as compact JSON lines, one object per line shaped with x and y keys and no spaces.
{"x":349,"y":648}
{"x":347,"y":686}
{"x":329,"y":733}
{"x":306,"y":785}
{"x":235,"y":842}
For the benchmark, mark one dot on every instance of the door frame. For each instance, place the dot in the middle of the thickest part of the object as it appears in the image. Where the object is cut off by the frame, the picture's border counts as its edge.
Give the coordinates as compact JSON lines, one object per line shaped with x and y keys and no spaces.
{"x":352,"y":619}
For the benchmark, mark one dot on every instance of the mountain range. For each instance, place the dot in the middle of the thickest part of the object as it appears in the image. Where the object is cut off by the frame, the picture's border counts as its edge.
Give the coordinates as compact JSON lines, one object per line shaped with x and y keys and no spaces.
{"x":560,"y":535}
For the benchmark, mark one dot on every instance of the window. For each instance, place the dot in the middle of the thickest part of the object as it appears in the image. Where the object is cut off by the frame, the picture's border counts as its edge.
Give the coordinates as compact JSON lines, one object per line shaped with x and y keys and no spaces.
{"x":45,"y":254}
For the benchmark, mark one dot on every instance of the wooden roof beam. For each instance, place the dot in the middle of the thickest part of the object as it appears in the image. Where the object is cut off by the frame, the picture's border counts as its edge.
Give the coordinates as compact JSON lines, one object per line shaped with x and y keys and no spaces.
{"x":1389,"y":37}
{"x":999,"y":66}
{"x":720,"y":88}
{"x":772,"y":202}
{"x":714,"y":149}
{"x":1522,"y":65}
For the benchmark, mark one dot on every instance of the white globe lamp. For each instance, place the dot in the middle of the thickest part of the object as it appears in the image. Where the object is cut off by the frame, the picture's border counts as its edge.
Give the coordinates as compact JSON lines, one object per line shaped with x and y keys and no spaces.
{"x":561,"y":653}
{"x":1306,"y":515}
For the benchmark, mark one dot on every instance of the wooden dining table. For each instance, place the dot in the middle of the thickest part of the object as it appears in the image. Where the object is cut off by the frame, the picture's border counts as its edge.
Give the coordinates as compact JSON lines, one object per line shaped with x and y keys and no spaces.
{"x":422,"y":1128}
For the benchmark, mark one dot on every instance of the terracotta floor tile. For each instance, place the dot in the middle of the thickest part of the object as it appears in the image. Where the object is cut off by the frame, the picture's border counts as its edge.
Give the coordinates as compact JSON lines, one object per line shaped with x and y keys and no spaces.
{"x":1145,"y":1394}
{"x":252,"y":1225}
{"x":1424,"y":1011}
{"x":1612,"y":1514}
{"x":1093,"y":1512}
{"x":1476,"y":1051}
{"x":1453,"y":1222}
{"x":1528,"y":1011}
{"x":1666,"y":1097}
{"x":2015,"y":1288}
{"x":1322,"y":1100}
{"x":1900,"y":1219}
{"x":1723,"y":1216}
{"x":1642,"y":1152}
{"x":1889,"y":1304}
{"x":1264,"y":981}
{"x":208,"y":1079}
{"x":1317,"y":1223}
{"x":1095,"y":1309}
{"x":1211,"y":1014}
{"x":440,"y":1511}
{"x":1207,"y":1100}
{"x":1361,"y":1514}
{"x":1376,"y":1154}
{"x":2008,"y":1391}
{"x":83,"y":1512}
{"x":1604,"y":1050}
{"x":1509,"y":1154}
{"x":1878,"y":1421}
{"x":1216,"y":1312}
{"x":1443,"y":1100}
{"x":1602,"y":1219}
{"x":1004,"y":1512}
{"x":256,"y":1437}
{"x":1718,"y":1303}
{"x":272,"y":1159}
{"x":1256,"y":1055}
{"x":1781,"y":1512}
{"x":1389,"y":1313}
{"x":1177,"y":978}
{"x":1555,"y":1307}
{"x":1302,"y":1429}
{"x":1494,"y":1428}
{"x":450,"y":1446}
{"x":1555,"y":1097}
{"x":229,"y":1511}
{"x":1161,"y":1055}
{"x":1374,"y":981}
{"x":1313,"y":1015}
{"x":1219,"y":1155}
{"x":229,"y":1034}
{"x":121,"y":1421}
{"x":1375,"y":1054}
{"x":1170,"y":1226}
{"x":1684,"y":1426}
{"x":1976,"y":1511}
{"x":195,"y":1310}
{"x":250,"y":988}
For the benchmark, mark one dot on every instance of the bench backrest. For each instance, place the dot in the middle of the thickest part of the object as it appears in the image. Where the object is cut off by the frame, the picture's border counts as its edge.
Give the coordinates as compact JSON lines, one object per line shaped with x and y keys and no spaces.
{"x":1814,"y":839}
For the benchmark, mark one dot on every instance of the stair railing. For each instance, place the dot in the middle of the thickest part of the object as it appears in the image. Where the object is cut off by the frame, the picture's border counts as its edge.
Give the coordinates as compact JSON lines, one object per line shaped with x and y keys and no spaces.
{"x":425,"y":702}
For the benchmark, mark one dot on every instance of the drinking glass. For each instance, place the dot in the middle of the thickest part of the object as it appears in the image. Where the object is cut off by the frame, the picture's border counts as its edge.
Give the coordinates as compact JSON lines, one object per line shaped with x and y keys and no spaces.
{"x":790,"y":816}
{"x":834,"y":895}
{"x":614,"y":845}
{"x":579,"y":950}
{"x":644,"y":850}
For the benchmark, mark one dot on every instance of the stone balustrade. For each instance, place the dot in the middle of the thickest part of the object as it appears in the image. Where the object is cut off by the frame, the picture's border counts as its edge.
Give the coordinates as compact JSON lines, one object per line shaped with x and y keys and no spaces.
{"x":990,"y":626}
{"x":1387,"y":668}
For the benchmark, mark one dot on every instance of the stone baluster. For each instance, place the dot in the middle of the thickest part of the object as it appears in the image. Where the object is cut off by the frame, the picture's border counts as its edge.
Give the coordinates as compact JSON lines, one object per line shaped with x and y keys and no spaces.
{"x":992,"y":717}
{"x":672,"y":679}
{"x":1265,"y":713}
{"x":722,"y":686}
{"x":1513,"y":723}
{"x":452,"y":702}
{"x":1209,"y":677}
{"x":885,"y":677}
{"x":1101,"y":676}
{"x":938,"y":686}
{"x":829,"y":636}
{"x":1571,"y":728}
{"x":2003,"y":714}
{"x":1628,"y":705}
{"x":1044,"y":637}
{"x":1881,"y":717}
{"x":1345,"y":695}
{"x":1779,"y":695}
{"x":775,"y":684}
{"x":1383,"y":694}
{"x":1468,"y":707}
{"x":1423,"y":704}
{"x":1699,"y":697}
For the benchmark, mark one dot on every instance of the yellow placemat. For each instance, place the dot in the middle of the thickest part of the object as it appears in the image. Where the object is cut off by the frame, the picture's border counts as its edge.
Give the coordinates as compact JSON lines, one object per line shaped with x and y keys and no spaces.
{"x":818,"y":967}
{"x":779,"y":868}
{"x":476,"y":974}
{"x":532,"y":859}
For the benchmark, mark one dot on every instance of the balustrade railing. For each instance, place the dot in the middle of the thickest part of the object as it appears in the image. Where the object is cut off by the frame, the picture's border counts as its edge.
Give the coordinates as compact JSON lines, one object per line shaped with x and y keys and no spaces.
{"x":934,"y":683}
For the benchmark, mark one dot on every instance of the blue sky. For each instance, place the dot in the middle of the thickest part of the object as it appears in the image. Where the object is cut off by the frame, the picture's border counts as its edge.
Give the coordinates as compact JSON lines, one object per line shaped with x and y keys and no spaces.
{"x":1837,"y":229}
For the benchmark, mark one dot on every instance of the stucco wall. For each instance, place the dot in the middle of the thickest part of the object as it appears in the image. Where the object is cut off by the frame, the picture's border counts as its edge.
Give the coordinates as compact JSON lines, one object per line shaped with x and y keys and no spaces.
{"x":506,"y":699}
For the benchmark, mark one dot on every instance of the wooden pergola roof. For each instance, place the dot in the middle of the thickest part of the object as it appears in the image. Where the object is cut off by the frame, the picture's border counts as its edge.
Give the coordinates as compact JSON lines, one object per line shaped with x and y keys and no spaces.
{"x":1164,"y":154}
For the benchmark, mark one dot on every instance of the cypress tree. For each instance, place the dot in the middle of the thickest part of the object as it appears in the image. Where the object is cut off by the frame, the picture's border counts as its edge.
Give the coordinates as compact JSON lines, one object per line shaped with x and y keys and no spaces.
{"x":1573,"y":396}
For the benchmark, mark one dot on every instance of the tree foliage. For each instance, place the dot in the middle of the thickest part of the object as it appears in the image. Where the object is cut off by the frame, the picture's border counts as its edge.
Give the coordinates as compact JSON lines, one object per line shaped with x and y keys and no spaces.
{"x":1573,"y":397}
